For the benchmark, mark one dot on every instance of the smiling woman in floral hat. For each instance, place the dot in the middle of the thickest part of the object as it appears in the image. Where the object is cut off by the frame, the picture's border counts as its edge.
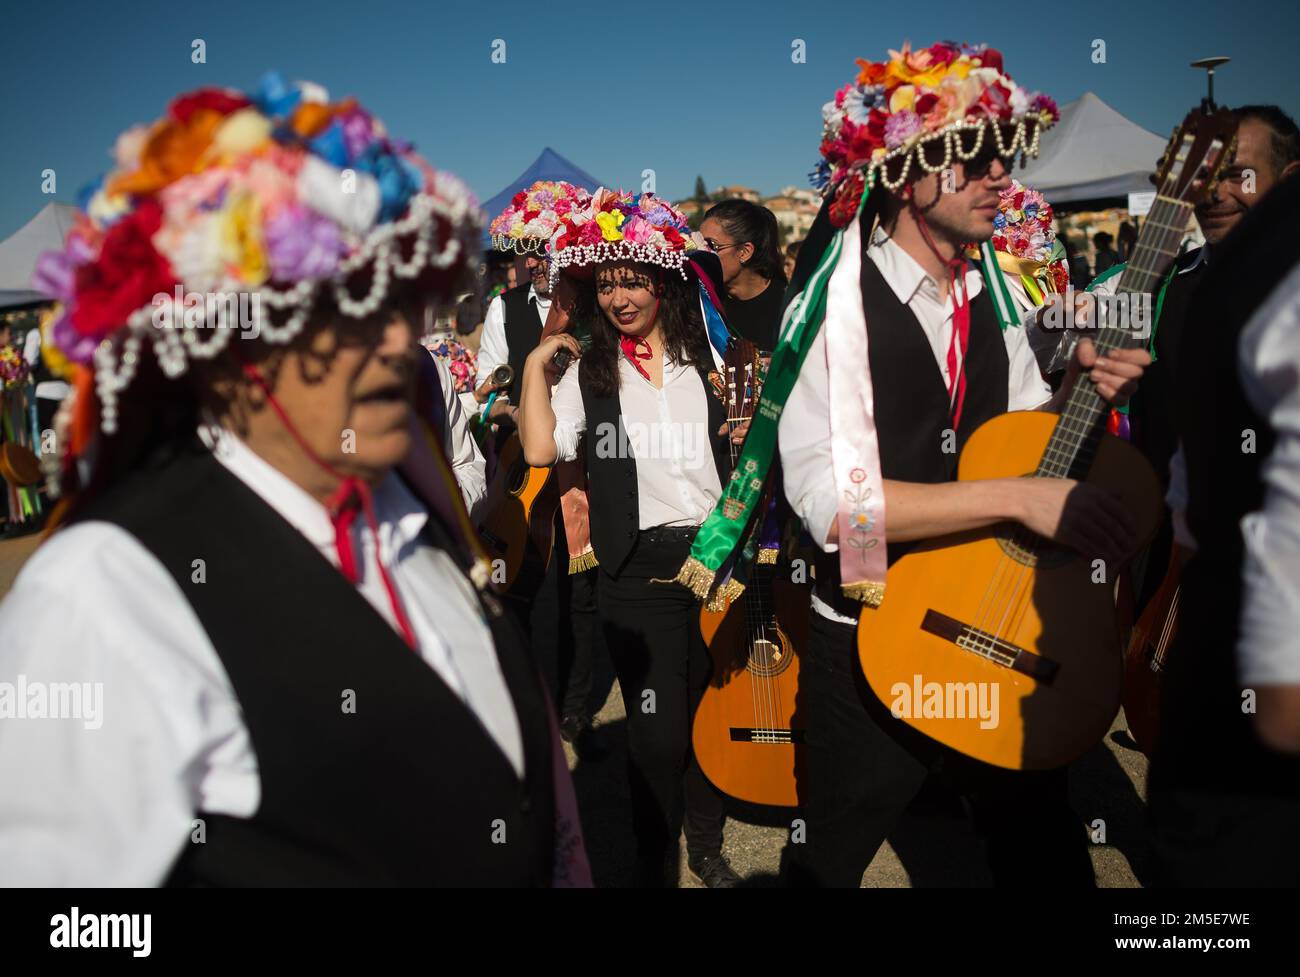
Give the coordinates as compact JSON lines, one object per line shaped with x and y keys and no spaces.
{"x":265,"y":574}
{"x":656,"y":455}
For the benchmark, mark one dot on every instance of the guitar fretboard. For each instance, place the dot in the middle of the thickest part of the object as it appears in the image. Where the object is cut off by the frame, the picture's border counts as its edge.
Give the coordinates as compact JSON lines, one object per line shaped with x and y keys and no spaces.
{"x":1074,"y":442}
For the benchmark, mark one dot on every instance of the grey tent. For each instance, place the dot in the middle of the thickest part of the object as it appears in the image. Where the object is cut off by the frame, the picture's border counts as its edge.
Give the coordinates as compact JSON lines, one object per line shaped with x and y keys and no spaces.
{"x":1093,"y":153}
{"x":18,"y":253}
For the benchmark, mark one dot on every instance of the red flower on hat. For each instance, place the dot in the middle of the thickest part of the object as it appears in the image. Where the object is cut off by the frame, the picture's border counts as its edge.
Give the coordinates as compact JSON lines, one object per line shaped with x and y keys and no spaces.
{"x":996,"y":101}
{"x":992,"y":58}
{"x":218,"y":100}
{"x":847,"y":196}
{"x":128,"y":273}
{"x":944,"y":54}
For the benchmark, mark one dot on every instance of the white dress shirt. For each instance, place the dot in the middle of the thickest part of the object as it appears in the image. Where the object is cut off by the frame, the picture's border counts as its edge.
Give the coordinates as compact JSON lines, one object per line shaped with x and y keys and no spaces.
{"x":1269,"y":647}
{"x":804,"y":437}
{"x":467,"y":462}
{"x":493,"y":350}
{"x":114,"y":805}
{"x":668,"y":433}
{"x":46,"y":389}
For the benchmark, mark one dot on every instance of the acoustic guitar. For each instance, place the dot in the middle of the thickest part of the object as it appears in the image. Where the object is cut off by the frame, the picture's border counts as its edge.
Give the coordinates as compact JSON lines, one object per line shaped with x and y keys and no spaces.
{"x":1148,"y":653}
{"x":521,"y":505}
{"x":747,"y":735}
{"x":996,"y":642}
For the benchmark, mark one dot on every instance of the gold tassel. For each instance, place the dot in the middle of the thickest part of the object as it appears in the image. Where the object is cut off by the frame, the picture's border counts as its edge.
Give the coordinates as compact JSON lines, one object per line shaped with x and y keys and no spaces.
{"x":695,"y":577}
{"x":724,"y":596}
{"x":869,"y":592}
{"x":583,"y":561}
{"x":767,"y":556}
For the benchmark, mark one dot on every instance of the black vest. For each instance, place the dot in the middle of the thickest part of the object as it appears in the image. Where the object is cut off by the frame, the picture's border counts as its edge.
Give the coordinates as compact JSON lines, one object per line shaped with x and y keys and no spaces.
{"x":1152,"y":411}
{"x":911,"y":400}
{"x":409,"y":788}
{"x":523,"y":330}
{"x":1207,"y":742}
{"x":611,"y":474}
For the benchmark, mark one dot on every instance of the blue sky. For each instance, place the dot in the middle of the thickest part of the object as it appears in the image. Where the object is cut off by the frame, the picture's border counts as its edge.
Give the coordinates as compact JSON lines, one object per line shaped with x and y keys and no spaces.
{"x":683,"y":88}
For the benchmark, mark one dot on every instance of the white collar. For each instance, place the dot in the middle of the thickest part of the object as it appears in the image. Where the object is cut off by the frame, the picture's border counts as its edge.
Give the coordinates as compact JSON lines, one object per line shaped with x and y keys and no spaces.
{"x":399,"y":516}
{"x":905,"y":274}
{"x":539,"y":299}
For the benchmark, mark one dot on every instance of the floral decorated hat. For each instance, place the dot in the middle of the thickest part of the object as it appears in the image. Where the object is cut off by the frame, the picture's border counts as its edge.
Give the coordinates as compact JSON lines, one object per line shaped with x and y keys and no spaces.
{"x":530,"y":220}
{"x":1024,"y":240}
{"x":618,"y":225}
{"x":919,"y":111}
{"x":277,"y":194}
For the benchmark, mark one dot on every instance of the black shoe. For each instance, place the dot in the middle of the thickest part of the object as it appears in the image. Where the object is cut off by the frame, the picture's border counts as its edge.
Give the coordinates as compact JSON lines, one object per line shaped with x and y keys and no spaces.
{"x":713,"y":872}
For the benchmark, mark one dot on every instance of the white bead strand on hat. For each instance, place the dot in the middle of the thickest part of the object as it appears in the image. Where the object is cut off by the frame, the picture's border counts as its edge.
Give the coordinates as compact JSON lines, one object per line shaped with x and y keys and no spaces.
{"x":447,"y":200}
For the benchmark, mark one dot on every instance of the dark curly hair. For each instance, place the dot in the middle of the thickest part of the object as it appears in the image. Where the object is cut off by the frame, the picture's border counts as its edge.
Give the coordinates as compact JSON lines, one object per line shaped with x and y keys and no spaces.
{"x":684,"y":336}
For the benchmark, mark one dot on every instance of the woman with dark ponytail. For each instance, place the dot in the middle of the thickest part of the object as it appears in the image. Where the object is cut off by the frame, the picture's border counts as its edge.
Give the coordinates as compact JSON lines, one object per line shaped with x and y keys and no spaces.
{"x":747,"y":240}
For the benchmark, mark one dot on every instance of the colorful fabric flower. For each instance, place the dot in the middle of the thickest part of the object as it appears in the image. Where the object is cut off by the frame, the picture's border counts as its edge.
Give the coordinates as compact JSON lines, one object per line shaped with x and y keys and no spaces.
{"x":534,"y":215}
{"x":277,"y":191}
{"x":462,"y":364}
{"x":615,"y":224}
{"x":896,"y":105}
{"x":125,"y":277}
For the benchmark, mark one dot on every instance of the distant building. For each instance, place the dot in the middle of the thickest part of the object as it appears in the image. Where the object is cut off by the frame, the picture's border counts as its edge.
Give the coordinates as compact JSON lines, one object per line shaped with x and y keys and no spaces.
{"x":795,"y":208}
{"x":743,"y":193}
{"x":795,"y":211}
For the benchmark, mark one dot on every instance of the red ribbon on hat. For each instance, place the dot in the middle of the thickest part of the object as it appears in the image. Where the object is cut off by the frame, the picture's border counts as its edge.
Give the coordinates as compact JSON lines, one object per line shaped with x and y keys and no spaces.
{"x":352,"y":496}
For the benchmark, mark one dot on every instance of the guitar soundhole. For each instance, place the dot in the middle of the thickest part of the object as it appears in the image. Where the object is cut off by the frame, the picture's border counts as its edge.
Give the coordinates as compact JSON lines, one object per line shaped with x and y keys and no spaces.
{"x":1033,"y":550}
{"x":768,"y":659}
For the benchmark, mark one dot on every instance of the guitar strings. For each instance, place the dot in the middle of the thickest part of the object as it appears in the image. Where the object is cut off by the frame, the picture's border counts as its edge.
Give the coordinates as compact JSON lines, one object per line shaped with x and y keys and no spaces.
{"x":1021,"y":597}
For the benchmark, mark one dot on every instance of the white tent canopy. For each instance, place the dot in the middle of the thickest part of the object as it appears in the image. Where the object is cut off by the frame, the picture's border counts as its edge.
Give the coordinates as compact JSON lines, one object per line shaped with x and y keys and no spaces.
{"x":18,"y":252}
{"x":1092,"y":153}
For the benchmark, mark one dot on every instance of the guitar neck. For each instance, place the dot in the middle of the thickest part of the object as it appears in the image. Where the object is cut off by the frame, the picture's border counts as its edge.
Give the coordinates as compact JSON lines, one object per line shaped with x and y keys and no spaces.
{"x":1074,"y":442}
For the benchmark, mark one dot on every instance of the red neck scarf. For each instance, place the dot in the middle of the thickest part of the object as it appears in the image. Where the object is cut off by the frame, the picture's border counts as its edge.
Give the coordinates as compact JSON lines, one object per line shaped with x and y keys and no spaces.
{"x":960,"y":320}
{"x":632,"y":349}
{"x":350,"y":498}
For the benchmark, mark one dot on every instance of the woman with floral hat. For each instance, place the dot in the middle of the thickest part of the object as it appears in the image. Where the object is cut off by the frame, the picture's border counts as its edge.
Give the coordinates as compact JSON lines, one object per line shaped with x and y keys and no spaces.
{"x":656,"y":451}
{"x":264,"y":581}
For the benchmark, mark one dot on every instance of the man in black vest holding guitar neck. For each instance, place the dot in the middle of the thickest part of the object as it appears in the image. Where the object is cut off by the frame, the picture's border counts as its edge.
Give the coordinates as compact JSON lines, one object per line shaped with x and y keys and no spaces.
{"x":559,"y":609}
{"x":929,"y":384}
{"x":1267,"y":147}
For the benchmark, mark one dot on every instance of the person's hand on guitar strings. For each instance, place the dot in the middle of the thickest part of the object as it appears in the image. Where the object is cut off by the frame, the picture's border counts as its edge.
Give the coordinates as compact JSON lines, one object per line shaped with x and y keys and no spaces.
{"x":738,"y":432}
{"x":1084,"y":517}
{"x":1115,"y":374}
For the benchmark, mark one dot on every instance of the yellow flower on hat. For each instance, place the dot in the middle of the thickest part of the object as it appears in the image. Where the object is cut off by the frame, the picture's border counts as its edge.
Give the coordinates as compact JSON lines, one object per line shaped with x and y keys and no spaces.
{"x":903,"y":98}
{"x":610,"y":222}
{"x":242,"y":132}
{"x":241,"y":241}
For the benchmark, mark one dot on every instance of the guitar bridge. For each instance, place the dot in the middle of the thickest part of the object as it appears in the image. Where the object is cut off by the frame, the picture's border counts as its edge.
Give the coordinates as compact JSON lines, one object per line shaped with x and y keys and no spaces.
{"x":765,"y":734}
{"x":990,"y":647}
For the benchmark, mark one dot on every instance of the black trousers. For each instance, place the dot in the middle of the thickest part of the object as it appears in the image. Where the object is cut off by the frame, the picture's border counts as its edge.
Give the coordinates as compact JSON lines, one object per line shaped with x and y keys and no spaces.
{"x":1207,"y":839}
{"x":863,"y":767}
{"x":652,"y":631}
{"x":561,"y":621}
